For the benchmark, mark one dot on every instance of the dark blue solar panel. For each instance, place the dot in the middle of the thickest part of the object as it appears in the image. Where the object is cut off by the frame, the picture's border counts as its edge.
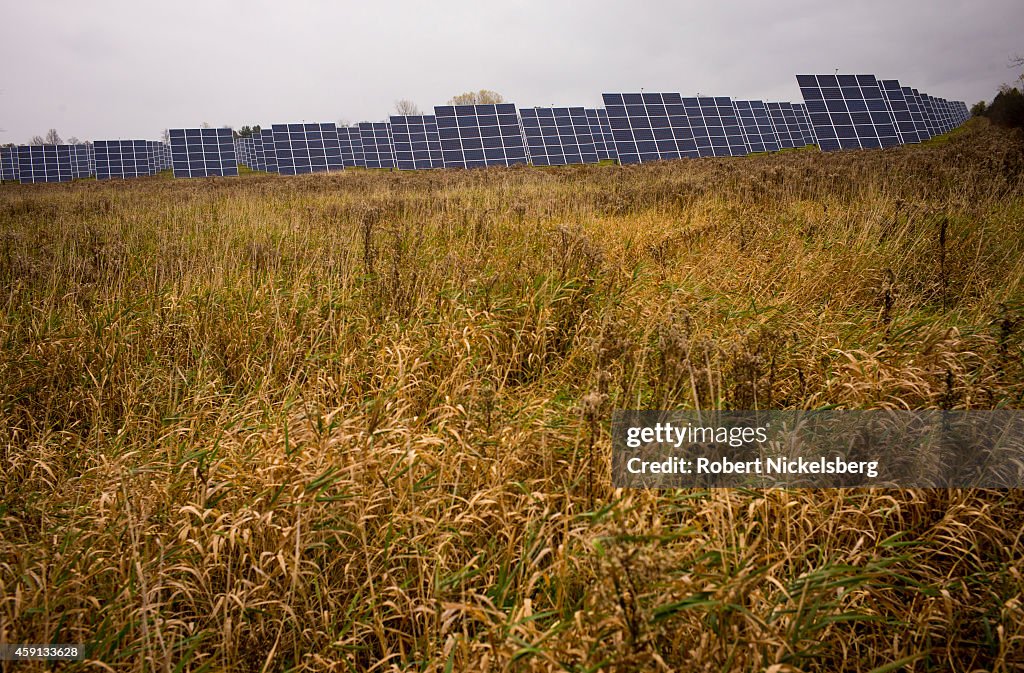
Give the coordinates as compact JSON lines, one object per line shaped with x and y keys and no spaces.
{"x":122,"y":159}
{"x":804,"y":121}
{"x":716,"y":130}
{"x":756,"y":126}
{"x":378,"y":150}
{"x":900,"y":110}
{"x":601,"y":132}
{"x":787,"y":126}
{"x":351,"y":144}
{"x":930,"y":115}
{"x":474,"y":136}
{"x":307,"y":148}
{"x":9,"y":163}
{"x":44,"y":163}
{"x":848,"y":111}
{"x":200,"y":153}
{"x":649,"y":127}
{"x":913,"y":99}
{"x":558,"y":136}
{"x":269,"y":151}
{"x":80,"y":165}
{"x":416,"y":142}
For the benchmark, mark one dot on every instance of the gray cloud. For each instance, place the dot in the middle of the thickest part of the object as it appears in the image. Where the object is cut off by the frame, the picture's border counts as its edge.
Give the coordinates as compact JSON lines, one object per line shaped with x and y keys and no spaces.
{"x":109,"y":69}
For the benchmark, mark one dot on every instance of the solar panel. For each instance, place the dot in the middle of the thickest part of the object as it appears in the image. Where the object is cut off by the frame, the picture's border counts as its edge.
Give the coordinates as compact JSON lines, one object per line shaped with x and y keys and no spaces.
{"x":306,"y":148}
{"x":649,"y":127}
{"x":269,"y":150}
{"x":913,"y":99}
{"x":804,"y":121}
{"x":787,"y":127}
{"x":8,"y":163}
{"x":417,"y":145}
{"x":200,"y":153}
{"x":848,"y":111}
{"x":716,"y":131}
{"x":930,"y":116}
{"x":378,"y":150}
{"x":121,"y":159}
{"x":758,"y":132}
{"x":947,"y":115}
{"x":558,"y":136}
{"x":480,"y":135}
{"x":80,"y":161}
{"x":44,"y":163}
{"x":899,"y":108}
{"x":351,"y":145}
{"x":601,"y":132}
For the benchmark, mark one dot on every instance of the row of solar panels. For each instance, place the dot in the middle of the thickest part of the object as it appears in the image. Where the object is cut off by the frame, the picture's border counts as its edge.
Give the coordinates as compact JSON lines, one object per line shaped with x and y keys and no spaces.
{"x":102,"y":159}
{"x":839,"y":112}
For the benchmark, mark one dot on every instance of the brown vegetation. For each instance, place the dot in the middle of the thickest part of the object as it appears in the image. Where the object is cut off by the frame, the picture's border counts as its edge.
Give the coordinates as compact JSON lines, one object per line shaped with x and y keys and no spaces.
{"x":360,"y":421}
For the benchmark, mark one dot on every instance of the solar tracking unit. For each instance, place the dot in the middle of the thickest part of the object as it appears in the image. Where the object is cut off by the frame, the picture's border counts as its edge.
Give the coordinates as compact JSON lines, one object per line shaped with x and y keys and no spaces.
{"x":474,"y":136}
{"x":716,"y":131}
{"x":649,"y":127}
{"x":899,"y":108}
{"x":416,"y":143}
{"x":351,"y":145}
{"x":378,"y":149}
{"x":848,"y":111}
{"x":269,"y":150}
{"x":787,"y":127}
{"x":306,"y":148}
{"x":80,"y":167}
{"x":200,"y":153}
{"x":121,"y":159}
{"x":601,"y":132}
{"x":44,"y":163}
{"x":913,"y":99}
{"x":758,"y":132}
{"x":9,"y":163}
{"x":804,"y":121}
{"x":558,"y":136}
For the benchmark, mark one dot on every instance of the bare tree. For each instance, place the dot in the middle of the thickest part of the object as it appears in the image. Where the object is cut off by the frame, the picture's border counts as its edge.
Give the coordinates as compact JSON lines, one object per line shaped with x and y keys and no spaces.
{"x":205,"y":125}
{"x":481,"y":97}
{"x":72,"y":140}
{"x":342,"y":122}
{"x":406,"y":107}
{"x":37,"y":140}
{"x":166,"y":136}
{"x":52,"y":137}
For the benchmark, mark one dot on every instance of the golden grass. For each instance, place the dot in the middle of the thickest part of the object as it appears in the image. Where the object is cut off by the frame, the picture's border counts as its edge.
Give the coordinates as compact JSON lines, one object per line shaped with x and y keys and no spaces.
{"x":360,"y":422}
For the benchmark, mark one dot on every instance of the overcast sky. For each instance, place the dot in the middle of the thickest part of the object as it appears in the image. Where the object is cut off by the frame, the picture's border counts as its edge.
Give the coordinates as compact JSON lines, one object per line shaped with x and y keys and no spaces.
{"x":106,"y":70}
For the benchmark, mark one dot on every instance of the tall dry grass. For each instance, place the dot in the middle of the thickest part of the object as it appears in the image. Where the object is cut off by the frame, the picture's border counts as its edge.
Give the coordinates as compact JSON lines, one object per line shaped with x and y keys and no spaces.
{"x":360,"y":422}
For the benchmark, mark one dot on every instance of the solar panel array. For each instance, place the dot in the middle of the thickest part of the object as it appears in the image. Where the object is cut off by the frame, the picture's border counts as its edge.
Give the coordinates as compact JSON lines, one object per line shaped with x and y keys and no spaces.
{"x":716,"y":130}
{"x":480,"y":135}
{"x":378,"y":149}
{"x":200,"y":153}
{"x":306,"y":148}
{"x":122,"y":159}
{"x":758,"y":132}
{"x":45,"y":163}
{"x":649,"y":127}
{"x":558,"y":136}
{"x":416,"y":143}
{"x":838,"y":112}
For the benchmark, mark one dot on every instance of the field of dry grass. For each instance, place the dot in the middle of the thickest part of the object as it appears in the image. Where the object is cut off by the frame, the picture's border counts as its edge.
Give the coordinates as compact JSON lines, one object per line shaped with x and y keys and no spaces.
{"x":360,"y":421}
